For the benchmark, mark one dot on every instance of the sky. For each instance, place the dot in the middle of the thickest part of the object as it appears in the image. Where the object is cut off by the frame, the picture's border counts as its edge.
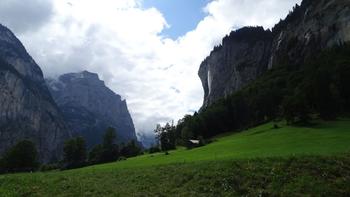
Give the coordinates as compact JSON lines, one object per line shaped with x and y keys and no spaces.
{"x":181,"y":15}
{"x":148,"y":51}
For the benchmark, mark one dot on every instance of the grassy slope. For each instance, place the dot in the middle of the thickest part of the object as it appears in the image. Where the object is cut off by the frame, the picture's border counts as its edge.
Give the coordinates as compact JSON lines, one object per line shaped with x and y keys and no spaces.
{"x":259,"y":161}
{"x":263,"y":141}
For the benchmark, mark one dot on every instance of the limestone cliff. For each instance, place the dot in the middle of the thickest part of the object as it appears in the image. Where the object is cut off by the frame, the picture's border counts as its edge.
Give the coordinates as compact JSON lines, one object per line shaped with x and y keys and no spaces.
{"x":27,"y":110}
{"x":249,"y":52}
{"x":89,"y":107}
{"x":242,"y":57}
{"x":313,"y":26}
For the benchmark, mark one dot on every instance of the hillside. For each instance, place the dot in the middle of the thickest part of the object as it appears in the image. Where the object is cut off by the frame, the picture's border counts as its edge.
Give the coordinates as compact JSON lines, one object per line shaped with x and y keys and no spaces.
{"x":297,"y":69}
{"x":300,"y":160}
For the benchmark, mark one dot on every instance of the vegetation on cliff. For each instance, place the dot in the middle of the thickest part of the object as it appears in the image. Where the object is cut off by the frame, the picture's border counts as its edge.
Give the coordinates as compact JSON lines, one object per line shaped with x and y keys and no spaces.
{"x":317,"y":88}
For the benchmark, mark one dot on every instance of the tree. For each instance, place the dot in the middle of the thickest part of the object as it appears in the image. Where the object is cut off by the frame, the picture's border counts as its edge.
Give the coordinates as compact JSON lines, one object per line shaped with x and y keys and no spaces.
{"x":158,"y":131}
{"x":153,"y":149}
{"x":130,"y":150}
{"x":74,"y":153}
{"x":95,"y":155}
{"x":166,"y":136}
{"x":22,"y":157}
{"x":326,"y":95}
{"x":110,"y":150}
{"x":296,"y":108}
{"x":109,"y":138}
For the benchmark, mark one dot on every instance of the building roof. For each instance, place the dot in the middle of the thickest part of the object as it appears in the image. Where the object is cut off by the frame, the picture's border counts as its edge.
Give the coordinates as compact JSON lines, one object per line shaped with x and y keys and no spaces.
{"x":194,"y":141}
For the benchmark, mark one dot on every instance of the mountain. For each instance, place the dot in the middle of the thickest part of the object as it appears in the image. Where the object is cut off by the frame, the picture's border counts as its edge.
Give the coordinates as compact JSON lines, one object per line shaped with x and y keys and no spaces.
{"x":242,"y":57}
{"x":299,"y":71}
{"x":89,"y":107}
{"x":248,"y":53}
{"x":148,"y":139}
{"x":27,"y":110}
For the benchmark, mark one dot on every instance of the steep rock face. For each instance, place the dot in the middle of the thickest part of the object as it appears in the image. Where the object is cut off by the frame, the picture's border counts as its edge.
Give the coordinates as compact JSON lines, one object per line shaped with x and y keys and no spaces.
{"x":90,"y":107}
{"x":313,"y":26}
{"x":27,"y":110}
{"x":246,"y":53}
{"x":242,"y":57}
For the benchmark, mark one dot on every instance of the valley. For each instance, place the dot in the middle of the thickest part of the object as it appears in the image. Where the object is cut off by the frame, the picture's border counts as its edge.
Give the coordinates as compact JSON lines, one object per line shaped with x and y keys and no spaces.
{"x":262,"y":160}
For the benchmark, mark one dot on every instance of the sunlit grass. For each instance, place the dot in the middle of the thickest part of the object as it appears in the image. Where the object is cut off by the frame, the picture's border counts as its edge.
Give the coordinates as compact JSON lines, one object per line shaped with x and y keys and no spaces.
{"x":290,"y":159}
{"x":325,"y":138}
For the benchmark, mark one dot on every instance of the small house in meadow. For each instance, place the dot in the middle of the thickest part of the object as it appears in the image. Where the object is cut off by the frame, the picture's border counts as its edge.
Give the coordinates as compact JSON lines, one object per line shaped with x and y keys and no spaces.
{"x":193,"y":143}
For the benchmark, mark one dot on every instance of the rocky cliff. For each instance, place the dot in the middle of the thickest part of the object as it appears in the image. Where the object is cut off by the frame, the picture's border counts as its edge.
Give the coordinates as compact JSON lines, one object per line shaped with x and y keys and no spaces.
{"x":27,"y":110}
{"x":89,"y":107}
{"x":242,"y":57}
{"x":311,"y":27}
{"x":249,"y":52}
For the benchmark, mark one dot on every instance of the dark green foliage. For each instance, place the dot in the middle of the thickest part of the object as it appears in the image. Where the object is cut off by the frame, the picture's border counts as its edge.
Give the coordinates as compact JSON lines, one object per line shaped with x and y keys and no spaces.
{"x":131,"y":149}
{"x":110,"y":148}
{"x":154,"y":149}
{"x":295,"y":108}
{"x":108,"y":151}
{"x":294,"y":15}
{"x":109,"y":138}
{"x":22,"y":157}
{"x":49,"y":167}
{"x":318,"y":87}
{"x":246,"y":34}
{"x":95,"y":155}
{"x":74,"y":153}
{"x":166,"y":137}
{"x":2,"y":166}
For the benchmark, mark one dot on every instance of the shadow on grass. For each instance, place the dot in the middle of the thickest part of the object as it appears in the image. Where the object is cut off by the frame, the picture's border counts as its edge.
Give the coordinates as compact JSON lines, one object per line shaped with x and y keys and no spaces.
{"x":262,"y":131}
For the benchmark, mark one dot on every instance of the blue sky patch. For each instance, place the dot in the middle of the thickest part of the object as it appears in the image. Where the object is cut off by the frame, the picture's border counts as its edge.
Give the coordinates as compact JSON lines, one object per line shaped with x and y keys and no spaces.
{"x":181,"y":15}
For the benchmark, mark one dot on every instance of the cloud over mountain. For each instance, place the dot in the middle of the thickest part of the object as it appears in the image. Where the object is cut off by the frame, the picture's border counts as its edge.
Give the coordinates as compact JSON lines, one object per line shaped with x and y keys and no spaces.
{"x":123,"y":42}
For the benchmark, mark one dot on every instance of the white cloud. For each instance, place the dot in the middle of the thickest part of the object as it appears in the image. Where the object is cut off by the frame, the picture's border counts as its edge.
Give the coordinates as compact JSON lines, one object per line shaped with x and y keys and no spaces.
{"x":122,"y":42}
{"x":26,"y":15}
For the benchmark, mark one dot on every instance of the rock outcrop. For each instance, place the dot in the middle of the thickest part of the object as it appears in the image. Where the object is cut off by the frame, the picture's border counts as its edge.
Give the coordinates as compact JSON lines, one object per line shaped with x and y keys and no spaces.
{"x":27,"y":110}
{"x":312,"y":27}
{"x":245,"y":54}
{"x":242,"y":57}
{"x":89,"y":107}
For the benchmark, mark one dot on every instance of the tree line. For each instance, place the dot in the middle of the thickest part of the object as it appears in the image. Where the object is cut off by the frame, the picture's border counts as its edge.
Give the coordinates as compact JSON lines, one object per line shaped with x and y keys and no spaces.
{"x":75,"y":154}
{"x":24,"y":157}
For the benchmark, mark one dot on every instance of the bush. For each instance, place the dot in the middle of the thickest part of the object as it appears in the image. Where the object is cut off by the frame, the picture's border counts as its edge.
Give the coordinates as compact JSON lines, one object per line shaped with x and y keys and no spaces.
{"x":122,"y":158}
{"x":23,"y":157}
{"x":130,"y":150}
{"x":95,"y":155}
{"x":49,"y":167}
{"x":108,"y":151}
{"x":154,"y":149}
{"x":74,"y":153}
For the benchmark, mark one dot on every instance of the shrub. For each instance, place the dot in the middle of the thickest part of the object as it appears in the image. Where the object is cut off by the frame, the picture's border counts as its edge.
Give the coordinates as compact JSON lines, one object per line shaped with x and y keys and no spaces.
{"x":23,"y":157}
{"x":154,"y":149}
{"x":49,"y":167}
{"x":74,"y":153}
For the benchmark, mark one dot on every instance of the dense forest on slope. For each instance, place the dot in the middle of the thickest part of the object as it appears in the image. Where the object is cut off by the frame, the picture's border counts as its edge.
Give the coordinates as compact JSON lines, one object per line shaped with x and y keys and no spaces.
{"x":319,"y":87}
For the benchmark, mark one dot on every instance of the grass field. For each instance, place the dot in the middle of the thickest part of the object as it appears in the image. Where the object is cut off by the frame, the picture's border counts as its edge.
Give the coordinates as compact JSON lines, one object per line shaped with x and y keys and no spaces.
{"x":287,"y":161}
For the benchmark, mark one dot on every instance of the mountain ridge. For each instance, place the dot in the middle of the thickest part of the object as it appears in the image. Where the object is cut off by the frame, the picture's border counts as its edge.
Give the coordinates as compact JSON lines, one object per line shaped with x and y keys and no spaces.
{"x":27,"y":110}
{"x":90,"y":107}
{"x":307,"y":30}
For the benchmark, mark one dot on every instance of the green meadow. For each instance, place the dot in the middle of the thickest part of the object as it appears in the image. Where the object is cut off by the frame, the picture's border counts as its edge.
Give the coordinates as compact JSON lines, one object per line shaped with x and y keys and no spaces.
{"x":262,"y":161}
